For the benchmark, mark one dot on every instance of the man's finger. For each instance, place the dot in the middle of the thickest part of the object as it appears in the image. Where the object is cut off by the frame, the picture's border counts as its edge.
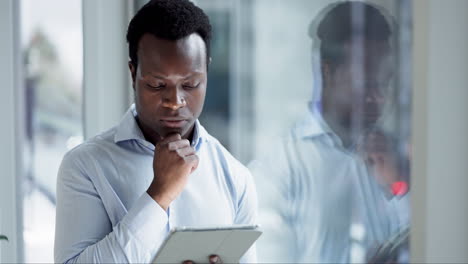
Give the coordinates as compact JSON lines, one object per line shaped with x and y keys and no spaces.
{"x":214,"y":259}
{"x":193,"y":159}
{"x":187,"y":151}
{"x":169,"y":138}
{"x":178,"y":144}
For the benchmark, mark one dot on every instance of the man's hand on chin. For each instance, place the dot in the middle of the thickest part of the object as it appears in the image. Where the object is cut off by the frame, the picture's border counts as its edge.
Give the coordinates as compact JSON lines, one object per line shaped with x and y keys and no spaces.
{"x":173,"y":162}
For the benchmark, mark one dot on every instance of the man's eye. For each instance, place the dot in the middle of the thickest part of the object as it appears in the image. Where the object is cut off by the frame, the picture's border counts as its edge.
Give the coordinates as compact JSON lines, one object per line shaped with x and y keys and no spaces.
{"x":188,"y":86}
{"x":157,"y":87}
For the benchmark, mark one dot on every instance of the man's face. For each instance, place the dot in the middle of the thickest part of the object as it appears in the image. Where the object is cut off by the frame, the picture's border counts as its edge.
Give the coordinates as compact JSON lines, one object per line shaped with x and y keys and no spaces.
{"x":169,"y":84}
{"x":358,"y":88}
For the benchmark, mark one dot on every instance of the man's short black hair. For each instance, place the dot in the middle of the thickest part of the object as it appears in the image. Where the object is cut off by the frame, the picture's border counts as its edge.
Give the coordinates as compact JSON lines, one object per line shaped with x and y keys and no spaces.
{"x":168,"y":19}
{"x":345,"y":21}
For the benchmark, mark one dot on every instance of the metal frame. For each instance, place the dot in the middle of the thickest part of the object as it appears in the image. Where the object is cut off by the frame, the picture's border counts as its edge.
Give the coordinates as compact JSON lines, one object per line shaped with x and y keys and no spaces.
{"x":11,"y":134}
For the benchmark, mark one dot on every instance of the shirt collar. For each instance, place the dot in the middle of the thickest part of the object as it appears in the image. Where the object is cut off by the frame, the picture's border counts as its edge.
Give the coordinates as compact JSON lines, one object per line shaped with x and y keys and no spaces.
{"x":128,"y":129}
{"x":313,"y":126}
{"x":310,"y":126}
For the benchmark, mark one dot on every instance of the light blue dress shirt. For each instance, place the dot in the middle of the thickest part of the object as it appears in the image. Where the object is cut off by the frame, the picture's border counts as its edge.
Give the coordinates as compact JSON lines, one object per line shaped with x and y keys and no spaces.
{"x":317,"y":201}
{"x":105,"y":215}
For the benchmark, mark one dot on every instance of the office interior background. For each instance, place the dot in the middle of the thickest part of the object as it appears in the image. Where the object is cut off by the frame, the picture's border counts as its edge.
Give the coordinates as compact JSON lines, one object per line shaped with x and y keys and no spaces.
{"x":65,"y":79}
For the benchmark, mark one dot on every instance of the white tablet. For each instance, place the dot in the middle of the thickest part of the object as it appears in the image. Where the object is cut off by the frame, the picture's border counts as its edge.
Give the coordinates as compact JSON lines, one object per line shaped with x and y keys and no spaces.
{"x":230,"y":243}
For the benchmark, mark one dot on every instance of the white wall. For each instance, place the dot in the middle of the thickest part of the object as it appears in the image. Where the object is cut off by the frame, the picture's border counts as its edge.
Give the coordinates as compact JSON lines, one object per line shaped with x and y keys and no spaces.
{"x":440,"y":129}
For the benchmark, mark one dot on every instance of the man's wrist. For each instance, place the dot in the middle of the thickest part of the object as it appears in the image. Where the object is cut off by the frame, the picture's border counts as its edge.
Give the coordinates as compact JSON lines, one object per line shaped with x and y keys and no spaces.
{"x":163,"y":202}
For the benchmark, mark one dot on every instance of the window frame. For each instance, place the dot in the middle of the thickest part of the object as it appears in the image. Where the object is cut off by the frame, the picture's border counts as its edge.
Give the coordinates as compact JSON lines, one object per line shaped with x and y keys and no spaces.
{"x":11,"y":137}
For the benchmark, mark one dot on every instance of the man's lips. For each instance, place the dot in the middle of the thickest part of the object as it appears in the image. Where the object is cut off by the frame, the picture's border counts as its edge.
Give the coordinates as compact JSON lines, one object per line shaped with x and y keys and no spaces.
{"x":174,"y":122}
{"x":372,"y":111}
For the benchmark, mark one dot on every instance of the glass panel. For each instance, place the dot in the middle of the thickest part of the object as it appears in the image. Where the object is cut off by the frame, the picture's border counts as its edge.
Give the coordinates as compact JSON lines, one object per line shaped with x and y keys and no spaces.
{"x":216,"y":111}
{"x":319,"y":109}
{"x":51,"y":32}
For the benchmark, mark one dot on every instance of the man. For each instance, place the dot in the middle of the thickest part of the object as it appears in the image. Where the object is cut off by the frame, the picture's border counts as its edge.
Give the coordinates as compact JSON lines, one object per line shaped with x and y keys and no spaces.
{"x":119,"y":193}
{"x":315,"y":192}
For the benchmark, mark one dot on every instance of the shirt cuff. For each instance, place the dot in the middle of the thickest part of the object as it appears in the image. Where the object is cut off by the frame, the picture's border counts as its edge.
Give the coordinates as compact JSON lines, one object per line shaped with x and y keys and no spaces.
{"x":147,"y":221}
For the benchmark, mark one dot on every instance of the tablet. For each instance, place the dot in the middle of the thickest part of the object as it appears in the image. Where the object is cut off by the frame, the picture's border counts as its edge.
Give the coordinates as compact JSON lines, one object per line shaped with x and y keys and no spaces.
{"x":230,"y":243}
{"x":391,"y":249}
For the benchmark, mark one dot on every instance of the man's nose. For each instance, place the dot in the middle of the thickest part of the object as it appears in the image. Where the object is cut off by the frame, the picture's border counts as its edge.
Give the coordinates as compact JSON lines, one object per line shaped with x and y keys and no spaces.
{"x":174,"y":99}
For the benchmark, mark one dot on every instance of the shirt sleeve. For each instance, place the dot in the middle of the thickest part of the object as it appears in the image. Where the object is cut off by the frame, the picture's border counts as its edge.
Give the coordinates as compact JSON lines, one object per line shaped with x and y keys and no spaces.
{"x":84,"y":233}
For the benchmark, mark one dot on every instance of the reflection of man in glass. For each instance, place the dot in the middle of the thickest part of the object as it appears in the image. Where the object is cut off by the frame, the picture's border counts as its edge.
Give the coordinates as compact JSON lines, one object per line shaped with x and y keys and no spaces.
{"x":354,"y":61}
{"x":317,"y":202}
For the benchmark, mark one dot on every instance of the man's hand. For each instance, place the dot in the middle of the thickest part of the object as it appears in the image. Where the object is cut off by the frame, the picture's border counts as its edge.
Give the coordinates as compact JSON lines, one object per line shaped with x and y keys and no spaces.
{"x":174,"y":160}
{"x":213,"y":259}
{"x":380,"y":156}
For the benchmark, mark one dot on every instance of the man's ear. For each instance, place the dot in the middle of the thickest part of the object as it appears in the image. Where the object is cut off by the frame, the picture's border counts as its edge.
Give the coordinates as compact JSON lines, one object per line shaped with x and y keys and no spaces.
{"x":132,"y":69}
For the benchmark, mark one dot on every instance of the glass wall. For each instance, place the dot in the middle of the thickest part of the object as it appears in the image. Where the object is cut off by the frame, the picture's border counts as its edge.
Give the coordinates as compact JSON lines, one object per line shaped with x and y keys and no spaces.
{"x":313,"y":96}
{"x":319,"y":109}
{"x":51,"y":34}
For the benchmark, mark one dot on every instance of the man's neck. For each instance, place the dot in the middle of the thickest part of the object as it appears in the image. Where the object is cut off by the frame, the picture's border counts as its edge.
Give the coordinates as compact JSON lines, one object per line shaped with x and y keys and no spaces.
{"x":345,"y":133}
